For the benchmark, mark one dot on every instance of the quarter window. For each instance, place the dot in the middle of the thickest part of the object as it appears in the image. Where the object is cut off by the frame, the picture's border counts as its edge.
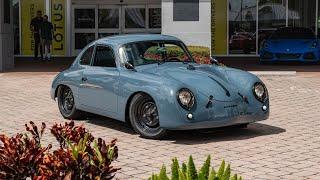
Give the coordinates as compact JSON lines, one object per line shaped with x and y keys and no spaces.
{"x":104,"y":57}
{"x":87,"y":56}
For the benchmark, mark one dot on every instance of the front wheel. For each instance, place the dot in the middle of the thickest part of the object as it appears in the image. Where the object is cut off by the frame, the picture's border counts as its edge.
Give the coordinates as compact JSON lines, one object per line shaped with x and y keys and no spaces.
{"x":66,"y":104}
{"x":144,"y":117}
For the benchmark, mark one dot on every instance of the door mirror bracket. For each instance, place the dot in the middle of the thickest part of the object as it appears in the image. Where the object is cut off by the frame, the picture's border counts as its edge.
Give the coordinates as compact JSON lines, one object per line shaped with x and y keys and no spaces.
{"x":129,"y":66}
{"x":214,"y":61}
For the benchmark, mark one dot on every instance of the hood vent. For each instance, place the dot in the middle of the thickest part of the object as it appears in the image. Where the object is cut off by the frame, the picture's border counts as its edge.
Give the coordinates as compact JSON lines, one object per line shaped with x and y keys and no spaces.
{"x":224,"y":88}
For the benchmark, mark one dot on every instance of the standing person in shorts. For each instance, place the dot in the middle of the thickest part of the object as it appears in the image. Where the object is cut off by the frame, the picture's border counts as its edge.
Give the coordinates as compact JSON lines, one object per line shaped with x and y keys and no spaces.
{"x":47,"y":36}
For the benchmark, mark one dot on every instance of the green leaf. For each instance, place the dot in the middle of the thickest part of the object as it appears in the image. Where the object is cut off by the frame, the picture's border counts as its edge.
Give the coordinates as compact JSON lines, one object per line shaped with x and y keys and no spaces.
{"x":163,"y":173}
{"x":175,"y":169}
{"x":205,"y":169}
{"x":192,"y":171}
{"x":111,"y":153}
{"x":98,"y":153}
{"x":182,"y":176}
{"x":154,"y":177}
{"x":184,"y":169}
{"x":212,"y":174}
{"x":221,"y":169}
{"x":234,"y":177}
{"x":227,"y":173}
{"x":73,"y":148}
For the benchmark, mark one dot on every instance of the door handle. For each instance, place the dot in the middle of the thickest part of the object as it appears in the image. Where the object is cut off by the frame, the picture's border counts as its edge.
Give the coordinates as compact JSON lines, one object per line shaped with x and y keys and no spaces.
{"x":84,"y":79}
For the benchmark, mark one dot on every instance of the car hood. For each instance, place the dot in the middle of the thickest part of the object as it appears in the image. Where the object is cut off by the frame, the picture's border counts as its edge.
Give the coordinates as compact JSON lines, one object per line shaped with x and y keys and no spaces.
{"x":204,"y":79}
{"x":290,"y":45}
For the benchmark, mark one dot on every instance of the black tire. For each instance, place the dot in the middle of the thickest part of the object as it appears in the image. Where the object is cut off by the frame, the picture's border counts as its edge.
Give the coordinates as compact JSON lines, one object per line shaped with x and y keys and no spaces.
{"x":66,"y":104}
{"x":144,"y":117}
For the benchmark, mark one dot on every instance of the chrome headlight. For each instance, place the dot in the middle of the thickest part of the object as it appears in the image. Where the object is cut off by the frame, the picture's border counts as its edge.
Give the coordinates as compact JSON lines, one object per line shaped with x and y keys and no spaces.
{"x":186,"y":98}
{"x":260,"y":91}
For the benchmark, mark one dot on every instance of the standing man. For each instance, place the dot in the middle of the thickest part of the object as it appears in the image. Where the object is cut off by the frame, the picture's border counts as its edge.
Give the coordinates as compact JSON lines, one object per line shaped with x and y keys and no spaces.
{"x":46,"y":36}
{"x":35,"y":27}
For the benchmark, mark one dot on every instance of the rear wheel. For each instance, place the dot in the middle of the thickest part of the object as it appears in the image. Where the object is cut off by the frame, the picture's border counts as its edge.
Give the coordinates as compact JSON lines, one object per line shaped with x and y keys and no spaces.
{"x":66,"y":104}
{"x":144,"y":117}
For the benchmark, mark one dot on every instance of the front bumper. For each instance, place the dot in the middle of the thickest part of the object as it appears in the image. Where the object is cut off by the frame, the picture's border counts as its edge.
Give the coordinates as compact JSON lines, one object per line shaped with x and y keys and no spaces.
{"x":222,"y":122}
{"x":303,"y":56}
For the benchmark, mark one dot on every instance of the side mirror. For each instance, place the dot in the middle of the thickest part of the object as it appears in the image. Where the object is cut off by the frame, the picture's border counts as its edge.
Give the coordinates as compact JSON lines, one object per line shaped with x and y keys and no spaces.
{"x":129,"y":66}
{"x":214,"y":61}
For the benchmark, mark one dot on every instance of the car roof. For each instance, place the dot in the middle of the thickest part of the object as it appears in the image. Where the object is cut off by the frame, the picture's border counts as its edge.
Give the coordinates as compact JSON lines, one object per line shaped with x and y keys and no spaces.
{"x":119,"y":40}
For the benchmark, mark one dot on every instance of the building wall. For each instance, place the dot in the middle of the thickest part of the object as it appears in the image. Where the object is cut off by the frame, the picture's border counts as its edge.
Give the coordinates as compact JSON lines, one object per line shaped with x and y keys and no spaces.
{"x":6,"y":41}
{"x":196,"y":33}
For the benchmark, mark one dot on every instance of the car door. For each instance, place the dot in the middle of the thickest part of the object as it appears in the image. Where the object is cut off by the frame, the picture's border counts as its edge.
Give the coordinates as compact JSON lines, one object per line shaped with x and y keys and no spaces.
{"x":102,"y":81}
{"x":85,"y":63}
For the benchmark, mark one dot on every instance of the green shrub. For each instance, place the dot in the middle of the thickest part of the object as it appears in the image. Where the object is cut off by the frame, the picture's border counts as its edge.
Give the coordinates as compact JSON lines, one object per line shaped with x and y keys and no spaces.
{"x":189,"y":172}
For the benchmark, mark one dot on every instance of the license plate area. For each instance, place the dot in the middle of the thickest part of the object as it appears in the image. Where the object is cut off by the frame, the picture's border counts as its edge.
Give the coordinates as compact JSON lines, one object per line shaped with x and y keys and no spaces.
{"x":231,"y":110}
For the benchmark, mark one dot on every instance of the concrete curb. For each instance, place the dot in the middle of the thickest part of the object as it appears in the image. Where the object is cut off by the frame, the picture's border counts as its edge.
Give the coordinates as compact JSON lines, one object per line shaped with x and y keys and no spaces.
{"x":274,"y":73}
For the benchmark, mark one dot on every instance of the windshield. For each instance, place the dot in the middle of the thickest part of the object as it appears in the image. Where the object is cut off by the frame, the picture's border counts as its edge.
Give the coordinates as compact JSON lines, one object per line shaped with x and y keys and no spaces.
{"x":149,"y":52}
{"x":293,"y":33}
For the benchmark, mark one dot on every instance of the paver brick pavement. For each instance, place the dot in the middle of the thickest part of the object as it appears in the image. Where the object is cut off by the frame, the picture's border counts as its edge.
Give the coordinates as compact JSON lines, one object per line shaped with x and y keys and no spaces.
{"x":286,"y":146}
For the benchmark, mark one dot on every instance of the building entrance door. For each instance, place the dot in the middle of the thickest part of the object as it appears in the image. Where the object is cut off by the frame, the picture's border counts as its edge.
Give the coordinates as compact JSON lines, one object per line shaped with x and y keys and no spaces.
{"x":91,"y":22}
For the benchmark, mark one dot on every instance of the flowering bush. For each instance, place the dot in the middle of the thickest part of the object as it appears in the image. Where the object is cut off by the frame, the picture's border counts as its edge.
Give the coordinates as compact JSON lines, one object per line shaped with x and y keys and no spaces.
{"x":200,"y":54}
{"x":80,"y":155}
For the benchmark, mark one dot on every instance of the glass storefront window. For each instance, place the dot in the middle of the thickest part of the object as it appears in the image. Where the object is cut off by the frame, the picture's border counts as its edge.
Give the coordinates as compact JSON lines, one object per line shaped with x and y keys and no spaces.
{"x":102,"y":35}
{"x":84,"y":18}
{"x":135,"y":18}
{"x":302,"y":13}
{"x":272,"y":15}
{"x":154,"y":18}
{"x":109,"y":18}
{"x":83,"y":39}
{"x":16,"y":26}
{"x":242,"y":26}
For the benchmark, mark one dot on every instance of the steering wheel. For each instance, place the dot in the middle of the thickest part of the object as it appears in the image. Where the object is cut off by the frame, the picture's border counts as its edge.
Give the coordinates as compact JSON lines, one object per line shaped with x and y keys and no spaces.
{"x":173,"y":59}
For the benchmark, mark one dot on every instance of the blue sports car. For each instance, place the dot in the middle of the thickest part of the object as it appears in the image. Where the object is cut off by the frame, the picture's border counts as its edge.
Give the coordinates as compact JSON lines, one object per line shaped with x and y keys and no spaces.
{"x":291,"y":44}
{"x":153,"y":83}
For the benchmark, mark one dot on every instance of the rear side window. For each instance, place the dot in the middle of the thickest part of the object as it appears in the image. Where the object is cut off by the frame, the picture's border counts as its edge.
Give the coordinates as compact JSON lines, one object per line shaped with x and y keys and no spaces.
{"x":87,"y":56}
{"x":104,"y":57}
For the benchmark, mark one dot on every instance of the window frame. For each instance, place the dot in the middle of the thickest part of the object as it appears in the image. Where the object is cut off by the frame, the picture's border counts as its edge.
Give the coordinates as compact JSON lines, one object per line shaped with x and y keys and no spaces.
{"x":95,"y":52}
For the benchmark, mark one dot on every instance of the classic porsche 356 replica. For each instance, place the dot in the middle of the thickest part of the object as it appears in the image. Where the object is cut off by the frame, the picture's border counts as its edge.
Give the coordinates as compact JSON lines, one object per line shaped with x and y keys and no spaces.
{"x":153,"y":83}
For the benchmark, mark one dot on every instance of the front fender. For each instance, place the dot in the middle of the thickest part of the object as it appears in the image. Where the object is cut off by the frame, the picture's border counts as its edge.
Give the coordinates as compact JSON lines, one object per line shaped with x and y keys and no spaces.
{"x":163,"y":91}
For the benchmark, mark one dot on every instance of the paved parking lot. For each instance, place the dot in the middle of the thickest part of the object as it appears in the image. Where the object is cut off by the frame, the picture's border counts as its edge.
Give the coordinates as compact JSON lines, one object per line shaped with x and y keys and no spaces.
{"x":287,"y":146}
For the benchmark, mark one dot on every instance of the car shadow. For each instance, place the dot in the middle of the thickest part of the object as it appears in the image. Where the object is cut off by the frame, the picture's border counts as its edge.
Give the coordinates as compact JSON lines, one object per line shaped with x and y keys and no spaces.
{"x":110,"y":123}
{"x":223,"y":134}
{"x":190,"y":137}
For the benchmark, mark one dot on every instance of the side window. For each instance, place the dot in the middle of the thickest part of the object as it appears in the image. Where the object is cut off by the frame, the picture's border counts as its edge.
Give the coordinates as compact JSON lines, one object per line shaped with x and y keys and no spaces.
{"x":87,"y":56}
{"x":104,"y":57}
